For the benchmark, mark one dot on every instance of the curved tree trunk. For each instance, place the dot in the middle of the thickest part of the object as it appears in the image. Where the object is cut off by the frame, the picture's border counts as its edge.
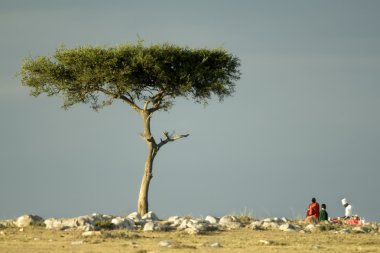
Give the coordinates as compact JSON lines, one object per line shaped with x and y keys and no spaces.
{"x":142,"y":205}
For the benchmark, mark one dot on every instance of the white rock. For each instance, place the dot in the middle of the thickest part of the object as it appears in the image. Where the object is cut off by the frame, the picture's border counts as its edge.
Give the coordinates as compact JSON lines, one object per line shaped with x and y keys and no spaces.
{"x":192,"y":231}
{"x":256,"y":225}
{"x":165,"y":243}
{"x":211,"y":219}
{"x":266,"y":242}
{"x":150,"y":216}
{"x":77,"y":242}
{"x":27,"y":220}
{"x":135,"y":216}
{"x":310,"y":227}
{"x":91,"y":233}
{"x":149,"y":226}
{"x":287,"y":227}
{"x":227,"y":219}
{"x":216,"y":245}
{"x":124,"y":223}
{"x":230,"y":222}
{"x":273,"y":225}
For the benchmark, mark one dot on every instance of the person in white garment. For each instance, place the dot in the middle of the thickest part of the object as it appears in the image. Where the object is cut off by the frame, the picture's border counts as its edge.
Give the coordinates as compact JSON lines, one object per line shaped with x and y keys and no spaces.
{"x":347,"y":209}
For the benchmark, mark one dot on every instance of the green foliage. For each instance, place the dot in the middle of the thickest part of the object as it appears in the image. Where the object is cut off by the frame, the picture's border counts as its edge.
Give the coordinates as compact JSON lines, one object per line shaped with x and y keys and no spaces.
{"x":104,"y":224}
{"x":133,"y":73}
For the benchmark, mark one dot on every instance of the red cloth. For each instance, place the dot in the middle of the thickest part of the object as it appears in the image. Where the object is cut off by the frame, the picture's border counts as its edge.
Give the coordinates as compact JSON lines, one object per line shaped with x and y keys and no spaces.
{"x":313,"y":210}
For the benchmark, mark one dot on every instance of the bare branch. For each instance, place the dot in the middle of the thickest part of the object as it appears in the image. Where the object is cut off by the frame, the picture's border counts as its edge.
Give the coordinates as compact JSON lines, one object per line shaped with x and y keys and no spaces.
{"x":170,"y":138}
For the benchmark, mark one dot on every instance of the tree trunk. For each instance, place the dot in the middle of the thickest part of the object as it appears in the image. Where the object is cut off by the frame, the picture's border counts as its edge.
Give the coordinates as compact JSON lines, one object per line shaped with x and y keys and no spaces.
{"x":142,"y":205}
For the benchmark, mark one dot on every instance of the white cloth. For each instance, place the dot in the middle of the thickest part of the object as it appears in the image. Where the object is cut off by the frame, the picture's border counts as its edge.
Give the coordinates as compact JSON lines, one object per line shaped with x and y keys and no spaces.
{"x":344,"y":201}
{"x":348,"y":211}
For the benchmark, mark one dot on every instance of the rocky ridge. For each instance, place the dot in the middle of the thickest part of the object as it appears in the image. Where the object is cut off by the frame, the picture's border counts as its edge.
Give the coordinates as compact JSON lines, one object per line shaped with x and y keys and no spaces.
{"x":89,"y":224}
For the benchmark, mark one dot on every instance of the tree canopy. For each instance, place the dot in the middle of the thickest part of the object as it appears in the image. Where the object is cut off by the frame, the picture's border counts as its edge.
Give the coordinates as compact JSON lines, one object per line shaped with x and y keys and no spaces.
{"x":153,"y":75}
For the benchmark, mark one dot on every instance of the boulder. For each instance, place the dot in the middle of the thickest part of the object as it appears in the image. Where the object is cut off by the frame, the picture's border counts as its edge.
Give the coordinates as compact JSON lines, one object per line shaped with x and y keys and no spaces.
{"x":267,"y":225}
{"x":135,"y":216}
{"x":150,"y":216}
{"x":211,"y":219}
{"x":256,"y":225}
{"x":230,"y":222}
{"x":149,"y":226}
{"x":310,"y":228}
{"x":28,"y":220}
{"x":123,"y":223}
{"x":287,"y":227}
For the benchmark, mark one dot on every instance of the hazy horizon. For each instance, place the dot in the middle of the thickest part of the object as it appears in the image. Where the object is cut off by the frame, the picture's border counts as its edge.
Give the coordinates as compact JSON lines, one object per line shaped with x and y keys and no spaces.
{"x":304,"y":121}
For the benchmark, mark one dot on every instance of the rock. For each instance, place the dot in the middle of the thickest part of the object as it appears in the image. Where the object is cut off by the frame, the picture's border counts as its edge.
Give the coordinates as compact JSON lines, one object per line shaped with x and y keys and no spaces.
{"x":267,"y":220}
{"x":7,"y":223}
{"x":165,"y":243}
{"x":272,"y":225}
{"x":123,"y":223}
{"x":285,"y":220}
{"x":216,"y":245}
{"x":91,"y":233}
{"x":266,"y":242}
{"x":77,"y":242}
{"x":344,"y":231}
{"x":2,"y":233}
{"x":149,"y":226}
{"x":256,"y":225}
{"x":230,"y":222}
{"x":287,"y":227}
{"x":28,"y":220}
{"x":211,"y":219}
{"x":150,"y":216}
{"x":154,"y":226}
{"x":310,"y":228}
{"x":135,"y":216}
{"x":227,"y":219}
{"x":361,"y":230}
{"x":192,"y":231}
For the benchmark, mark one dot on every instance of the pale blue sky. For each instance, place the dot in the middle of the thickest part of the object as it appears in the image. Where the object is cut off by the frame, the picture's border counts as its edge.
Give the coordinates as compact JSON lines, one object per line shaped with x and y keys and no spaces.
{"x":304,"y":121}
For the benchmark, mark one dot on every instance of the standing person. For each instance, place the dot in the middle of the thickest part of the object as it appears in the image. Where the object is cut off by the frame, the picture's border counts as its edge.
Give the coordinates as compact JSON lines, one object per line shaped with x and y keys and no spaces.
{"x":323,"y":215}
{"x":312,"y":214}
{"x":347,"y":209}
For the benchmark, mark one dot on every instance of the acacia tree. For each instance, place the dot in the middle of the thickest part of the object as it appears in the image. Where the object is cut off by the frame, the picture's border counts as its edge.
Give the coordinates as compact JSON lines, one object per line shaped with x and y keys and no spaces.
{"x":148,"y":79}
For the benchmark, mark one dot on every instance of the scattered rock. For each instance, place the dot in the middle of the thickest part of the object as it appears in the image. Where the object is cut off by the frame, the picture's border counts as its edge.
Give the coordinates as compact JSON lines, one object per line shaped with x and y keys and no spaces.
{"x":91,"y":233}
{"x":266,"y":242}
{"x":165,"y":243}
{"x":216,"y":245}
{"x":28,"y":220}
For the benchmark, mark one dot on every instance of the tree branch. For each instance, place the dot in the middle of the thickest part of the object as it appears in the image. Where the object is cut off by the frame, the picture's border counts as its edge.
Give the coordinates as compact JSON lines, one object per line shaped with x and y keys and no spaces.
{"x":170,"y":138}
{"x":122,"y":97}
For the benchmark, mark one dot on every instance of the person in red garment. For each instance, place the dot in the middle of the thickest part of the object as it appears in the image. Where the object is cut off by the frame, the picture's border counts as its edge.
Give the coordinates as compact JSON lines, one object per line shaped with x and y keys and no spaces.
{"x":312,"y":215}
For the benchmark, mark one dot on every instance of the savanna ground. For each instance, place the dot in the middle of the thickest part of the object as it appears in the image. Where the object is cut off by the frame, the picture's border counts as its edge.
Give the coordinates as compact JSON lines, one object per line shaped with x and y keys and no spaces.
{"x":40,"y":240}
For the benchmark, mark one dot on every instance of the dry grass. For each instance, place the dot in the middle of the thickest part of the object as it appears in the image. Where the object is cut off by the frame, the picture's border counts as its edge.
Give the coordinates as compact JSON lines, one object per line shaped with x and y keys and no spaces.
{"x":40,"y":240}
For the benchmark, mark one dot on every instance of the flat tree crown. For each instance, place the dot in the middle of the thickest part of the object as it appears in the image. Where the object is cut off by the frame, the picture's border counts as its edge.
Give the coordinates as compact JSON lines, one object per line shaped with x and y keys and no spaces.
{"x":153,"y":75}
